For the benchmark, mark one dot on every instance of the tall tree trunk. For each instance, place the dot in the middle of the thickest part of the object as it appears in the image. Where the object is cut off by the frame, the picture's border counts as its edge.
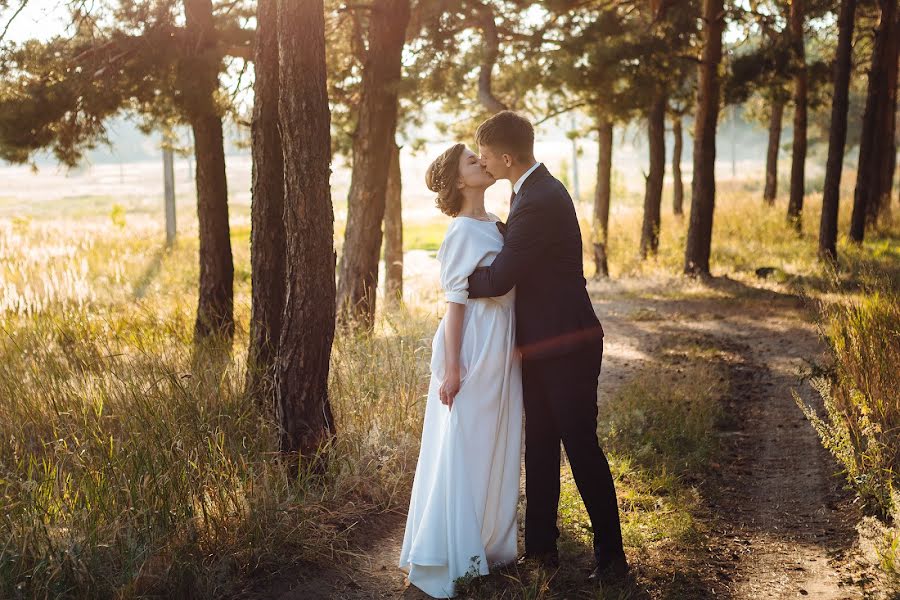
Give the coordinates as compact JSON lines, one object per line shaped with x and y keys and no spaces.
{"x":887,"y":182}
{"x":393,"y":233}
{"x":775,"y":120}
{"x":798,"y":154}
{"x":837,"y":133}
{"x":887,"y":139}
{"x":199,"y":82}
{"x":602,"y":196}
{"x":678,"y":184}
{"x":868,"y":176}
{"x":656,"y":133}
{"x":301,"y":381}
{"x":372,"y":144}
{"x":267,"y":241}
{"x":703,"y":191}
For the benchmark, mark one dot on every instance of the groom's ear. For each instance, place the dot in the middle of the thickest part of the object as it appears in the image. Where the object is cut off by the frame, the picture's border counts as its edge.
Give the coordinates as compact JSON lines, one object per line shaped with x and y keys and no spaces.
{"x":507,"y":160}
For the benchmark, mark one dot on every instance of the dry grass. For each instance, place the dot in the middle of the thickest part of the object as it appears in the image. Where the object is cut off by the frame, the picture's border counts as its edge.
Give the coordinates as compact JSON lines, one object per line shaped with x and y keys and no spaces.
{"x":127,"y":468}
{"x":130,"y":468}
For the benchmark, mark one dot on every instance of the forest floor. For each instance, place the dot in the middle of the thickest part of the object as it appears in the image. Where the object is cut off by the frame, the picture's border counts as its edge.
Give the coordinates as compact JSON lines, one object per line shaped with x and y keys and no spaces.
{"x":773,"y":520}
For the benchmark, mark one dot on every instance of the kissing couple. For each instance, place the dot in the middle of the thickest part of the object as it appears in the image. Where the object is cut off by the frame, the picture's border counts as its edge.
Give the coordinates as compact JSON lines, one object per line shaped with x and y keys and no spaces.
{"x":519,"y":333}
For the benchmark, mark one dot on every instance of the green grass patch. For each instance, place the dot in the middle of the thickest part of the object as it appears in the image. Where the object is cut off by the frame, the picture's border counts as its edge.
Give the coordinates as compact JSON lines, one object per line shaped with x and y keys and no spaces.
{"x":657,"y":433}
{"x":426,"y":235}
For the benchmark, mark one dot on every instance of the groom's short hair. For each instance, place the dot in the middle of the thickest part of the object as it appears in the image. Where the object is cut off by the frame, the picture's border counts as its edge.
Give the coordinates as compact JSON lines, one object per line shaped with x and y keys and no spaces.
{"x":508,"y":132}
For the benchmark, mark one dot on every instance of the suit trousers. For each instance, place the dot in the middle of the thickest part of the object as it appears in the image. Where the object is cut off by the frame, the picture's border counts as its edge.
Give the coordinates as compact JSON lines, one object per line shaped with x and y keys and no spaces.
{"x":560,"y":395}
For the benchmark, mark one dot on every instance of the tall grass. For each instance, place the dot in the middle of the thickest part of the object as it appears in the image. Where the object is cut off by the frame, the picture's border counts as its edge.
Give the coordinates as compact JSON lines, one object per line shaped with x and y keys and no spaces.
{"x":127,"y":469}
{"x":859,"y":317}
{"x":130,"y":468}
{"x":862,"y":395}
{"x":747,"y":235}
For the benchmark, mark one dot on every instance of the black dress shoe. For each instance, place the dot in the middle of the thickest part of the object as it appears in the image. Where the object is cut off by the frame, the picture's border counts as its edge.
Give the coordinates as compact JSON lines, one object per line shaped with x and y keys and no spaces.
{"x":611,"y":572}
{"x":547,"y":560}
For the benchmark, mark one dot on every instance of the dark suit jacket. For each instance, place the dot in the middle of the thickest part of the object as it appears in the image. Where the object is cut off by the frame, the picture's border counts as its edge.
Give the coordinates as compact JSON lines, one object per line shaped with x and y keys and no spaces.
{"x":542,"y":258}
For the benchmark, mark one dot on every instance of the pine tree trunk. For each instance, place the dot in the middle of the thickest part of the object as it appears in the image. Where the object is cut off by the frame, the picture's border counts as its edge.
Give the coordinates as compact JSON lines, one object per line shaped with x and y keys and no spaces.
{"x":301,"y":381}
{"x":656,"y":133}
{"x":703,"y":190}
{"x":393,"y":233}
{"x":887,"y":183}
{"x":678,"y":184}
{"x":837,"y":133}
{"x":868,"y":176}
{"x":888,"y":141}
{"x":199,"y":82}
{"x":602,"y":196}
{"x":798,"y":153}
{"x":775,"y":120}
{"x":267,"y":241}
{"x":371,"y":158}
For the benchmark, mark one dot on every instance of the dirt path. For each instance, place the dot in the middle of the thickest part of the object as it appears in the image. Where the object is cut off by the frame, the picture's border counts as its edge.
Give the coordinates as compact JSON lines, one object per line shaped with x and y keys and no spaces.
{"x":787,"y":517}
{"x":779,"y":524}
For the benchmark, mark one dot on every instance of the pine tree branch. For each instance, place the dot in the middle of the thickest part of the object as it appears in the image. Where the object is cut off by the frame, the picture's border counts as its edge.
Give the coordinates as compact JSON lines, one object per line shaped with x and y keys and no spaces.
{"x":22,"y":6}
{"x":561,"y":111}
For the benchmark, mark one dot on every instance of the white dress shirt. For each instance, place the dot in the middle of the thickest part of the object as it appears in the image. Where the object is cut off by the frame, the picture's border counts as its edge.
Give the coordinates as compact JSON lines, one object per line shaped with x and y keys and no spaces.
{"x":518,"y":184}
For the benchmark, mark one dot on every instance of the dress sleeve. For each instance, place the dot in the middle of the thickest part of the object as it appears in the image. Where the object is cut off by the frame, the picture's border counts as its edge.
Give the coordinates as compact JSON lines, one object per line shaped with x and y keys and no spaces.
{"x":457,"y":260}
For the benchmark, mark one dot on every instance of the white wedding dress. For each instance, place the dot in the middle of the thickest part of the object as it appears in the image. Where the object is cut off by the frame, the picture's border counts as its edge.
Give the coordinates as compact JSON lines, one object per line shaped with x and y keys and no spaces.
{"x":462,"y":514}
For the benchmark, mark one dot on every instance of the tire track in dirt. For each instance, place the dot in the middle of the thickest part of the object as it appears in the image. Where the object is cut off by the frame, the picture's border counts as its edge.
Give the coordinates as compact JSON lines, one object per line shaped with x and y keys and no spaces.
{"x":780,"y":521}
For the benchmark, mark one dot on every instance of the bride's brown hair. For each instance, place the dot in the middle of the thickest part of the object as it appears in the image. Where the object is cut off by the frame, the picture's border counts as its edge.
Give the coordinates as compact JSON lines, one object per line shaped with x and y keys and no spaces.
{"x":441,"y":179}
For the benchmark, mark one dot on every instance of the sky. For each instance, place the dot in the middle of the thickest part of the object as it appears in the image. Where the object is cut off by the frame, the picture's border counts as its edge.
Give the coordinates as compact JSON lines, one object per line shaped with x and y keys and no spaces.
{"x":40,"y":19}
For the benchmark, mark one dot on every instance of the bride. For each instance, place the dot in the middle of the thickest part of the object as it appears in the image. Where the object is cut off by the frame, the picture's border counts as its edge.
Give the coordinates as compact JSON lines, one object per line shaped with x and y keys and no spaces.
{"x":462,"y":514}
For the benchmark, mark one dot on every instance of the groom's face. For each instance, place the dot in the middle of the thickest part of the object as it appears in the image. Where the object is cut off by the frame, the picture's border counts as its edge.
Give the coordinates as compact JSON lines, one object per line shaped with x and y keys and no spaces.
{"x":494,"y":162}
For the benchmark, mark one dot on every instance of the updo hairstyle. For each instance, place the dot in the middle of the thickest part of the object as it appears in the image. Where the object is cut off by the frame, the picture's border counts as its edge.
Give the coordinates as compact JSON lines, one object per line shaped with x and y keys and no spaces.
{"x":441,"y":178}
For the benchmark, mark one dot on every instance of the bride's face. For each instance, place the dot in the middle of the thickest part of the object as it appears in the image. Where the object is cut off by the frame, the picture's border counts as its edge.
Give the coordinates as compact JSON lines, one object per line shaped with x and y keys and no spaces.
{"x":472,"y":172}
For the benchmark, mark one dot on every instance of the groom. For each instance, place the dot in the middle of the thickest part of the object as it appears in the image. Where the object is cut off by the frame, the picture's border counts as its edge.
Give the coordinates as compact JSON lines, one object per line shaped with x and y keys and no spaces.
{"x":561,"y":342}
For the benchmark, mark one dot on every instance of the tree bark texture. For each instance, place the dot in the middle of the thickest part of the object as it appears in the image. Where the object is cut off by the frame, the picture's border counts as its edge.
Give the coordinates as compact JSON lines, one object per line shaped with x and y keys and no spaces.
{"x":303,"y":410}
{"x":703,"y":187}
{"x":199,"y":82}
{"x":267,"y":239}
{"x":888,"y":140}
{"x":372,"y":145}
{"x":602,"y":197}
{"x":871,"y":144}
{"x":775,"y":119}
{"x":798,"y":151}
{"x":677,"y":183}
{"x":837,"y":136}
{"x":656,"y":134}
